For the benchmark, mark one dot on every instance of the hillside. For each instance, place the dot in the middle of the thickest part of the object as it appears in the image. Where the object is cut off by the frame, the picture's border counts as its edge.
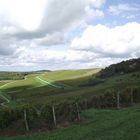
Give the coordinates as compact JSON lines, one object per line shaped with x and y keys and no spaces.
{"x":41,"y":87}
{"x":68,"y":91}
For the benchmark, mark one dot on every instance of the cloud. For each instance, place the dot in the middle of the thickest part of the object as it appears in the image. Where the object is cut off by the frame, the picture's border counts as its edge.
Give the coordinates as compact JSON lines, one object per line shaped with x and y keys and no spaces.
{"x":117,"y":9}
{"x":60,"y":25}
{"x":7,"y":47}
{"x":96,"y":3}
{"x":49,"y":21}
{"x":63,"y":17}
{"x":97,"y":46}
{"x":52,"y":39}
{"x":93,"y":13}
{"x":118,"y":42}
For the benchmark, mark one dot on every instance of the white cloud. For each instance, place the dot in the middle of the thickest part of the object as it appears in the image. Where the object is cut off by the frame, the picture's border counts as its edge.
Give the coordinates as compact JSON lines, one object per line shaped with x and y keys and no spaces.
{"x":47,"y":16}
{"x":26,"y":28}
{"x":96,"y":3}
{"x":49,"y":21}
{"x":98,"y":46}
{"x":25,"y":13}
{"x":64,"y":15}
{"x":117,"y":9}
{"x":93,"y":13}
{"x":119,"y":41}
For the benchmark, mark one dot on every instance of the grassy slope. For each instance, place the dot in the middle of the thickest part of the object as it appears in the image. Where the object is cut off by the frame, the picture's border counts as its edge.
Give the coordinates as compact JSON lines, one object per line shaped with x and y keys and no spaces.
{"x":46,"y":93}
{"x":70,"y":74}
{"x":2,"y":83}
{"x":117,"y":82}
{"x":32,"y":89}
{"x":29,"y":82}
{"x":104,"y":124}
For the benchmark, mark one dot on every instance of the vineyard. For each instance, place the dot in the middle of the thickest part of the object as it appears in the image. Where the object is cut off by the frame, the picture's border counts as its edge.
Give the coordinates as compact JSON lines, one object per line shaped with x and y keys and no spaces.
{"x":48,"y":100}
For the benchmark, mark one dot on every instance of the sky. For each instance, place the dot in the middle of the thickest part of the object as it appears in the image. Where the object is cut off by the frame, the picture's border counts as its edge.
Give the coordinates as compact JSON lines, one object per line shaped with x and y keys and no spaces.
{"x":67,"y":34}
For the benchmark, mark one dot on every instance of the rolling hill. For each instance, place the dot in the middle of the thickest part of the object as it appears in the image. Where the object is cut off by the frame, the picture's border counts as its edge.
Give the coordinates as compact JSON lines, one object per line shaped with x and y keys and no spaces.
{"x":86,"y":87}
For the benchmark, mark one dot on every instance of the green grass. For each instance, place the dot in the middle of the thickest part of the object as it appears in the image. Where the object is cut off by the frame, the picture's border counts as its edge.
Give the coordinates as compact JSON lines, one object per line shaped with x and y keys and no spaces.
{"x":33,"y":91}
{"x":29,"y":82}
{"x":106,"y":124}
{"x":3,"y":82}
{"x":69,"y":74}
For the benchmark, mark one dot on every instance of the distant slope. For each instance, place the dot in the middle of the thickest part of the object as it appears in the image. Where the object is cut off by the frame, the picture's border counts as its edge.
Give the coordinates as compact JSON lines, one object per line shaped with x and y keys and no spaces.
{"x":70,"y":74}
{"x":12,"y":75}
{"x":9,"y":75}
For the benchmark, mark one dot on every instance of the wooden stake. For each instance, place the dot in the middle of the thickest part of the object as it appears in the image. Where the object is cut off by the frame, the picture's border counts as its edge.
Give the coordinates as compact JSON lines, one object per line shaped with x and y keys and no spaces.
{"x":25,"y":120}
{"x":54,"y":116}
{"x":118,"y":100}
{"x":131,"y":94}
{"x":78,"y":114}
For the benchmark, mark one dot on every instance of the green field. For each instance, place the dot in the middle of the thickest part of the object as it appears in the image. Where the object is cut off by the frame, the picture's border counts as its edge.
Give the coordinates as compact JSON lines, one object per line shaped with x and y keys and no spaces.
{"x":60,"y":85}
{"x":46,"y":84}
{"x":105,"y":124}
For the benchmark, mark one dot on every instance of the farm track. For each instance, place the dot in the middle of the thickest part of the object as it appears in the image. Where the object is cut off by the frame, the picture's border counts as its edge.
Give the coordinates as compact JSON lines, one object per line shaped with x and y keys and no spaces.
{"x":38,"y":78}
{"x":42,"y":81}
{"x":47,"y":82}
{"x":53,"y":83}
{"x":4,"y":97}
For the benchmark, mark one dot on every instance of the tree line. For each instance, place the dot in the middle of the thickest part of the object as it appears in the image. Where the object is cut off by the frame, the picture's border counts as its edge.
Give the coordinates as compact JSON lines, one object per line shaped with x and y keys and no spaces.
{"x":123,"y":67}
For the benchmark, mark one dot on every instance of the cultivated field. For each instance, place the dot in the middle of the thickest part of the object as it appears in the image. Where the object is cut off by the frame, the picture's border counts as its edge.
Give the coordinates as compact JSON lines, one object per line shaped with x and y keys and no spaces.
{"x":44,"y":85}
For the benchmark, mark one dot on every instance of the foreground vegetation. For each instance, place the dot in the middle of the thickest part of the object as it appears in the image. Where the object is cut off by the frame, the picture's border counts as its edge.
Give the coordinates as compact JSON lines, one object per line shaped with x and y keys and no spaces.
{"x":97,"y":124}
